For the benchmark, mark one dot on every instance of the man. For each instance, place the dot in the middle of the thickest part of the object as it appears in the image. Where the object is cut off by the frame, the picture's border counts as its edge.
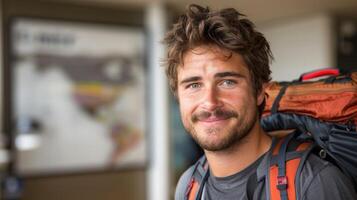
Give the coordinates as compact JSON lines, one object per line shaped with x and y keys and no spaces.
{"x":218,"y":67}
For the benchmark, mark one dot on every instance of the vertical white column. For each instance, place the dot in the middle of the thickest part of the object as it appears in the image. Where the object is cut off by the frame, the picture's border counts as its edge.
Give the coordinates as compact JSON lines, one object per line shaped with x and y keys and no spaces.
{"x":158,"y":173}
{"x":1,"y":67}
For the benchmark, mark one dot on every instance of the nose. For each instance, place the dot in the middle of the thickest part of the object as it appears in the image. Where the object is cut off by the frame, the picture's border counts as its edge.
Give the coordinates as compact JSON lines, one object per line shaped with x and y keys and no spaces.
{"x":211,"y":99}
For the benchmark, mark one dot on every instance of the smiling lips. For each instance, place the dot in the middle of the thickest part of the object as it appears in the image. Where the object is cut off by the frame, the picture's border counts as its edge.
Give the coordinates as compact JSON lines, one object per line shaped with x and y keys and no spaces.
{"x":213,"y":119}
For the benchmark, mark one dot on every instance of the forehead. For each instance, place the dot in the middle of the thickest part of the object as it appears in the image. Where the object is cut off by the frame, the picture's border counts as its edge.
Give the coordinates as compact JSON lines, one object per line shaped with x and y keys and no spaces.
{"x":208,"y":58}
{"x":204,"y":53}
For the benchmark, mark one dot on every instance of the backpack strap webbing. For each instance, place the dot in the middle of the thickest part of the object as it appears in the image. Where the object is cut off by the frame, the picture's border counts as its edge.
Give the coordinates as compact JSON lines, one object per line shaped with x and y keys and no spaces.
{"x":194,"y":187}
{"x":199,"y":175}
{"x":282,"y":173}
{"x":275,"y":106}
{"x":202,"y":185}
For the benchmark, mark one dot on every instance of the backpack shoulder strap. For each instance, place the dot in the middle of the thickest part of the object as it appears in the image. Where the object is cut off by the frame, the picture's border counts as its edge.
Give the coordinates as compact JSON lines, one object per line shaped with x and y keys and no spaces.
{"x":261,"y":172}
{"x":286,"y":158}
{"x":183,"y":183}
{"x":190,"y":183}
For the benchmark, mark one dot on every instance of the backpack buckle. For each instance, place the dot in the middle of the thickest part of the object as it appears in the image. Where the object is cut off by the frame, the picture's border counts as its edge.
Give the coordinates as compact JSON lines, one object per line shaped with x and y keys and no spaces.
{"x":282,"y":182}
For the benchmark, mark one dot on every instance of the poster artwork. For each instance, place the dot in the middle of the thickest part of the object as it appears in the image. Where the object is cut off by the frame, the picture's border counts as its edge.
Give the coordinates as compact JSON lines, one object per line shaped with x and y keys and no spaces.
{"x":78,"y":93}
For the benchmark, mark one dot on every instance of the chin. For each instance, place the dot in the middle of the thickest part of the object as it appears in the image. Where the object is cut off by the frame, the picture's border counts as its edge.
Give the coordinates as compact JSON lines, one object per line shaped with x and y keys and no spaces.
{"x":213,"y":141}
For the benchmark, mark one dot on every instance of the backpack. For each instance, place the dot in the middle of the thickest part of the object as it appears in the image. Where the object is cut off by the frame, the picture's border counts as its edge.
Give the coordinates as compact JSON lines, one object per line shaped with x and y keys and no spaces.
{"x":334,"y":138}
{"x":333,"y":99}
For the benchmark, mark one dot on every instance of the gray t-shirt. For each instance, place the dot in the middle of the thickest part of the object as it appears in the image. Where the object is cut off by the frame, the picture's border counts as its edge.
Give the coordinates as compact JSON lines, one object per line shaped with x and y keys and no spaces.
{"x":230,"y":187}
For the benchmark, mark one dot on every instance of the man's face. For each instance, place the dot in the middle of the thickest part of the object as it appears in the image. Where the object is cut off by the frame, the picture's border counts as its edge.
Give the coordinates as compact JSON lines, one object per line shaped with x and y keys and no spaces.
{"x":217,"y":103}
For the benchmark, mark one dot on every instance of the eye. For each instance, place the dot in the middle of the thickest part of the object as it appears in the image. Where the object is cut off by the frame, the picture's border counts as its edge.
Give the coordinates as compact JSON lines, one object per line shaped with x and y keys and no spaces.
{"x":228,"y":83}
{"x":193,"y":86}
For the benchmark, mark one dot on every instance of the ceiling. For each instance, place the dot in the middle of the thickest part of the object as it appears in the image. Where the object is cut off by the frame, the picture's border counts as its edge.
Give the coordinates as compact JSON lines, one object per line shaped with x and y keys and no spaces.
{"x":259,"y":11}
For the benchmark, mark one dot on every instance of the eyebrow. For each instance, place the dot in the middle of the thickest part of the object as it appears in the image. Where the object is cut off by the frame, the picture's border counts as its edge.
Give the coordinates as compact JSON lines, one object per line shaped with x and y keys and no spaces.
{"x":225,"y":74}
{"x":218,"y":75}
{"x":190,"y":79}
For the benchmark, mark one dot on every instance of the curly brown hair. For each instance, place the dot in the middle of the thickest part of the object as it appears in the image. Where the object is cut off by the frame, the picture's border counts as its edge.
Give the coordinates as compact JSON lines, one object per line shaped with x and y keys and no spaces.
{"x":228,"y":29}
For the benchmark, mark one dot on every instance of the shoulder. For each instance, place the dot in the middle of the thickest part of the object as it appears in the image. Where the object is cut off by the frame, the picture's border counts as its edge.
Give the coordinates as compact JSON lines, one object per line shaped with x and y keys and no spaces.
{"x":183,"y":183}
{"x":321,"y":179}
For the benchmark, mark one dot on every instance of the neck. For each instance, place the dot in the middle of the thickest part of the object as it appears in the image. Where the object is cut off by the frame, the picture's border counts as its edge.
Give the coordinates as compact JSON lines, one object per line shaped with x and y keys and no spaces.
{"x":241,"y":155}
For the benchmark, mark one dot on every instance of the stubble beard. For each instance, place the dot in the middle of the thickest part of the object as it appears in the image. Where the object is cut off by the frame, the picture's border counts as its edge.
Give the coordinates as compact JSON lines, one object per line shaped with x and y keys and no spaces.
{"x":230,"y":135}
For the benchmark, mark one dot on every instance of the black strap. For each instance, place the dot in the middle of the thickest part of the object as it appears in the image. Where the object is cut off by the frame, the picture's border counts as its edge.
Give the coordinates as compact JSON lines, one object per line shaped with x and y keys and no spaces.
{"x":252,"y":185}
{"x":275,"y":106}
{"x":289,"y":156}
{"x":202,"y":185}
{"x":282,"y":179}
{"x":293,"y":144}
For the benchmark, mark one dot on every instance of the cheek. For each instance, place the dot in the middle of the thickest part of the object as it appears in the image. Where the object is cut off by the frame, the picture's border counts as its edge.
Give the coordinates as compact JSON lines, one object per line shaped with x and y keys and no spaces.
{"x":185,"y":107}
{"x":186,"y":102}
{"x":233,"y":97}
{"x":239,"y":100}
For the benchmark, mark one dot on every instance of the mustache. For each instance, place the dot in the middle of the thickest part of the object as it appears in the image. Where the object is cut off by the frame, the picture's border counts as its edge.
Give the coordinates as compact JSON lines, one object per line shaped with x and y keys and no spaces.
{"x":218,"y":113}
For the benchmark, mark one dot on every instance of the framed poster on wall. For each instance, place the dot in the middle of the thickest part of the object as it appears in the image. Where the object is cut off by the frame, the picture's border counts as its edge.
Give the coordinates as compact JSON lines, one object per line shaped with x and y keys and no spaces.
{"x":78,"y":98}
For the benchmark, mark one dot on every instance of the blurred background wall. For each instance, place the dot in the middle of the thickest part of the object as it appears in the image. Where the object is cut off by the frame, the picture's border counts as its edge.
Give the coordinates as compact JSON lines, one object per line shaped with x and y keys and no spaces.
{"x":304,"y":36}
{"x":303,"y":44}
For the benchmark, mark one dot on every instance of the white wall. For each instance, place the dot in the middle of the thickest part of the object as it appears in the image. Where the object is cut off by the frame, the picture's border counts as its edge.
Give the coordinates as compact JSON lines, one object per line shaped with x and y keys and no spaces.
{"x":300,"y":45}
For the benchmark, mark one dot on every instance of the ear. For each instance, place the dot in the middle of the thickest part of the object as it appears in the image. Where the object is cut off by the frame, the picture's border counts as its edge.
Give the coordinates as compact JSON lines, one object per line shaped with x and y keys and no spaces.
{"x":261,"y":94}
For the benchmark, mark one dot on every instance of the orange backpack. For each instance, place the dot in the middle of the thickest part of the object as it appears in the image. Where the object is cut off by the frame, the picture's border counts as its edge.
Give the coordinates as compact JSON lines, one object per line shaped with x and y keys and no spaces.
{"x":333,"y":99}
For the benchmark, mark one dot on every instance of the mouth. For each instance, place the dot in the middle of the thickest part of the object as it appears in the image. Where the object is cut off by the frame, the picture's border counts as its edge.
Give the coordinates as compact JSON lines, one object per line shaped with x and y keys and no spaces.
{"x":212,"y":121}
